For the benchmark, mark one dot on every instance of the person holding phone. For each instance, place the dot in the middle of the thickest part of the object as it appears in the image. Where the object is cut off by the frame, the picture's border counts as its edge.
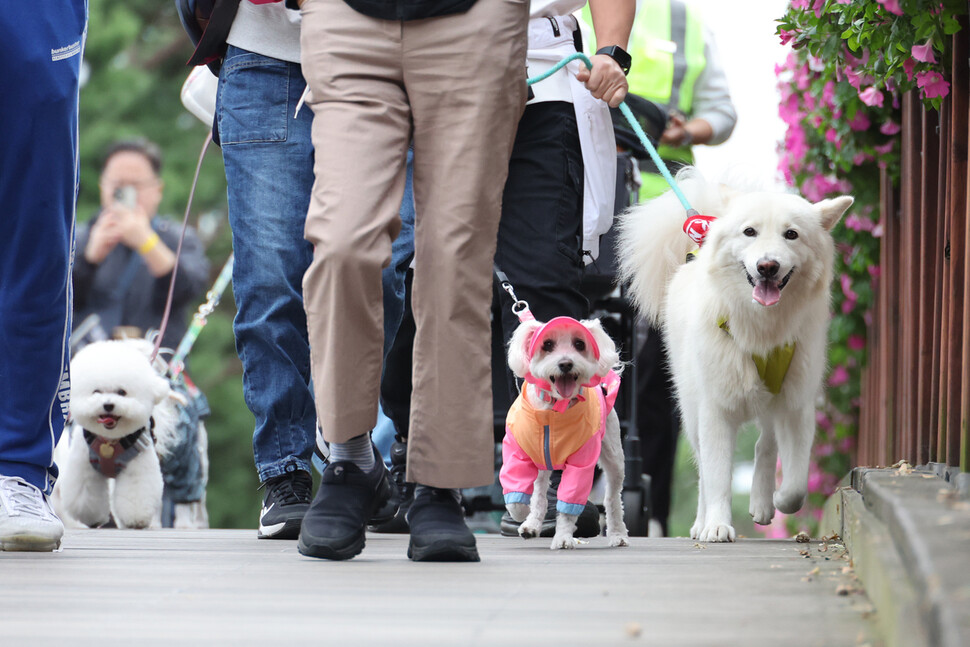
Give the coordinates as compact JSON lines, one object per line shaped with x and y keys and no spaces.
{"x":126,"y":255}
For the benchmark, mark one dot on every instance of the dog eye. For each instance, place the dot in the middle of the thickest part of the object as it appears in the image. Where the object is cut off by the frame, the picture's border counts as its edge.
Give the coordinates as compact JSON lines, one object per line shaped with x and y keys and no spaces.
{"x":98,"y":391}
{"x":579,"y":345}
{"x":121,"y":392}
{"x":750,"y":232}
{"x":791,"y":234}
{"x":548,"y":345}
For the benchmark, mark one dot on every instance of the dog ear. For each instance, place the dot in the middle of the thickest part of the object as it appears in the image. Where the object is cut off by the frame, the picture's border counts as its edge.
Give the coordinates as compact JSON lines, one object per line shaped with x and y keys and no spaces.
{"x":518,"y":356}
{"x":831,"y":210}
{"x":609,"y":357}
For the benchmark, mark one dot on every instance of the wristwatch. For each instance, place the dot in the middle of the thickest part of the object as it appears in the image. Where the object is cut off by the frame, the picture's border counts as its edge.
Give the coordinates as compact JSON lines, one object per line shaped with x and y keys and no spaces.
{"x":619,"y":55}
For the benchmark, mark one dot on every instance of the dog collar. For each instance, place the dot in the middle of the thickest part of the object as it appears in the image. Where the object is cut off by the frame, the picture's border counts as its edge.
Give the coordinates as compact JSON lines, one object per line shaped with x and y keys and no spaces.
{"x":773,"y":367}
{"x":111,"y":456}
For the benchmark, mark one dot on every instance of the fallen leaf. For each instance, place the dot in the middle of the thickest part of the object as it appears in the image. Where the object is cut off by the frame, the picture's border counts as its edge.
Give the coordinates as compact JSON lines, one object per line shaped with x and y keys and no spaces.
{"x":802,"y":537}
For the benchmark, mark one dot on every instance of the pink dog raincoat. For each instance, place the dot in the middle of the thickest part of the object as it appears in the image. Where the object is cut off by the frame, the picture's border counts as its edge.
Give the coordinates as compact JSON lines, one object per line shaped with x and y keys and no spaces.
{"x":546,"y":439}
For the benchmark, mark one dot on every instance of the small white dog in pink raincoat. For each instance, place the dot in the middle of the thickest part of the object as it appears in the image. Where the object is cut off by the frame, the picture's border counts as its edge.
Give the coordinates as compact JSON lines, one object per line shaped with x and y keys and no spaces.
{"x":563,"y":420}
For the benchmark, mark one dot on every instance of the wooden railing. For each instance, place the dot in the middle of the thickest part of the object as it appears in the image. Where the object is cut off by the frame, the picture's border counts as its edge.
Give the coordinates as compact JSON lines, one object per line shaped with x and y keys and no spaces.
{"x":916,"y":387}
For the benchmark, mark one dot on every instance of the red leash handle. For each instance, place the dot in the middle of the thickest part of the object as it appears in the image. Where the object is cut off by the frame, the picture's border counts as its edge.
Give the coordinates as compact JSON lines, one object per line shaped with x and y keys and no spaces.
{"x":696,"y":226}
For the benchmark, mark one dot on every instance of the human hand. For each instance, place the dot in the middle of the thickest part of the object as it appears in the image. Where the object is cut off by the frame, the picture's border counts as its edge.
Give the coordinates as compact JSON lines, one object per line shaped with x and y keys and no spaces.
{"x":605,"y":81}
{"x":676,"y":133}
{"x":105,"y":235}
{"x":134,"y":226}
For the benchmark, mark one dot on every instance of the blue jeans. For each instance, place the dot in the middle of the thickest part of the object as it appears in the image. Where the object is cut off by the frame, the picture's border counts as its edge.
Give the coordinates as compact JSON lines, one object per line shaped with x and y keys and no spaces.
{"x":268,"y":158}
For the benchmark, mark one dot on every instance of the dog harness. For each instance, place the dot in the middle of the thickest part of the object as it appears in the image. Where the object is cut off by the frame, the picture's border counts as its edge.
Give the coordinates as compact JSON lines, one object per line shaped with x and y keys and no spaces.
{"x":548,"y":439}
{"x":111,"y":456}
{"x":773,"y":367}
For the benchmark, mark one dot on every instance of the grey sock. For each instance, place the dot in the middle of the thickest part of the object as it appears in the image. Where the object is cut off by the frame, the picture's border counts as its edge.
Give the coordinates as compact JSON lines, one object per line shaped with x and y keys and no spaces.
{"x":455,"y":492}
{"x":357,"y":450}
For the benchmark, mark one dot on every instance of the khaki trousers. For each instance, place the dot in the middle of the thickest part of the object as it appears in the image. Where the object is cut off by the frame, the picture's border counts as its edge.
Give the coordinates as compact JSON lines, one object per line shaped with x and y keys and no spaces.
{"x":457,"y":85}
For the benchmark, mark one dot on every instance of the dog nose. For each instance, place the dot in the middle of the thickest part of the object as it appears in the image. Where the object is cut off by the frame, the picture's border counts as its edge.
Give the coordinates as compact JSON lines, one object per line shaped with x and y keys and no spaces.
{"x":565,"y":366}
{"x":107,"y":406}
{"x":768,"y":269}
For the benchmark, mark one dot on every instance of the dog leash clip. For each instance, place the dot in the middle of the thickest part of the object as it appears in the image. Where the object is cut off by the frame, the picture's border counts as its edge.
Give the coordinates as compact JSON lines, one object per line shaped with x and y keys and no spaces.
{"x":520,"y":308}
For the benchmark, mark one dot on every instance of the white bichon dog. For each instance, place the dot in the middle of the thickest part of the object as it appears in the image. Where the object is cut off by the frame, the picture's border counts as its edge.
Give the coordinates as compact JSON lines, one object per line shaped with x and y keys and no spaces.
{"x":563,"y":419}
{"x":124,"y":418}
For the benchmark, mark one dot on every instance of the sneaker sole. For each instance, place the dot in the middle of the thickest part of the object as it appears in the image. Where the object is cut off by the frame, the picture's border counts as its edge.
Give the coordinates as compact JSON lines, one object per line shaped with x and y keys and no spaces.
{"x":30,"y":544}
{"x":289,"y":529}
{"x":442,"y":550}
{"x":323,"y":551}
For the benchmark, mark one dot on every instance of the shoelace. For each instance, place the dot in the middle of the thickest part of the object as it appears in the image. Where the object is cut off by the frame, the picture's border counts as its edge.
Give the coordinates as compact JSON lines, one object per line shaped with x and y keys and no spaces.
{"x":20,"y":497}
{"x":291,"y":490}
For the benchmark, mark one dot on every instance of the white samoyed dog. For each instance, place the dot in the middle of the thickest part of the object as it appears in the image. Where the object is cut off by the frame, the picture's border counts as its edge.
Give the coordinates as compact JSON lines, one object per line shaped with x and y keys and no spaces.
{"x":745,"y":324}
{"x":123,"y":418}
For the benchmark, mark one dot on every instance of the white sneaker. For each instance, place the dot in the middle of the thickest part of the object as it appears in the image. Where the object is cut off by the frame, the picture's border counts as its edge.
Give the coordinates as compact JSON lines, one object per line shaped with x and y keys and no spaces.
{"x":26,"y":519}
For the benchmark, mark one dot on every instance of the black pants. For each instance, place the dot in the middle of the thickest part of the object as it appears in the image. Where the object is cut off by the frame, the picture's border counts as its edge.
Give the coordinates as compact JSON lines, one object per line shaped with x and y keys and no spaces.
{"x":540,"y":242}
{"x":657,"y":423}
{"x":540,"y":236}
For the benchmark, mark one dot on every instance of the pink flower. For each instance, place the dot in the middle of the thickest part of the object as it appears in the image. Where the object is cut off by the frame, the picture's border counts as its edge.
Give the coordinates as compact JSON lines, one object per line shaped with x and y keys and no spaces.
{"x":839,"y":376}
{"x":817,"y":6}
{"x":908,"y":66}
{"x":884,"y":148}
{"x":860,"y":121}
{"x":825,"y":449}
{"x":856,"y":342}
{"x":799,"y":4}
{"x":846,"y":444}
{"x":874,"y":270}
{"x":889,"y":128}
{"x":787,"y":36}
{"x":828,"y":93}
{"x":871,"y":97}
{"x":823,"y":421}
{"x":892,"y":6}
{"x":924,"y":53}
{"x":831,"y":135}
{"x":932,"y":84}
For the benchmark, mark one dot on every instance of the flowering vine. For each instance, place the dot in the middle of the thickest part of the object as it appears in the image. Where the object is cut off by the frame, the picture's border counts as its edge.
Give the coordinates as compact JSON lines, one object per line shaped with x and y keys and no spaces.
{"x":839,"y":96}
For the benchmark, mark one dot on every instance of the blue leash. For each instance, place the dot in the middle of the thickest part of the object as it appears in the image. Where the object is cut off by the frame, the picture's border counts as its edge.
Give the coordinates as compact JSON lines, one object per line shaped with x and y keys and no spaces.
{"x":628,"y":114}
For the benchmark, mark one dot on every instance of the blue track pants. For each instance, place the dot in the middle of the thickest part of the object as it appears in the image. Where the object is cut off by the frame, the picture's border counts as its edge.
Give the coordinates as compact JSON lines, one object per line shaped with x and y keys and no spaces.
{"x":40,"y":59}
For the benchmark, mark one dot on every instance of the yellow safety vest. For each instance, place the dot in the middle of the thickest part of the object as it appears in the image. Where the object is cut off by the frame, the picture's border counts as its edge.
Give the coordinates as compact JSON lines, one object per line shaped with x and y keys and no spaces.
{"x":667,"y":47}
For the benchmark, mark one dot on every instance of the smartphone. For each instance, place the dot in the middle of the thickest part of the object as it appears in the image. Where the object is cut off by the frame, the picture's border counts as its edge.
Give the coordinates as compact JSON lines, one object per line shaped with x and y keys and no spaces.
{"x":126,"y":196}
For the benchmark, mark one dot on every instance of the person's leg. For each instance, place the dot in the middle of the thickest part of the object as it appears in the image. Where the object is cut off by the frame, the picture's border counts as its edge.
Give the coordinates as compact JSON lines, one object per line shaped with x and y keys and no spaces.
{"x":360,"y":131}
{"x":540,"y":237}
{"x":41,"y":51}
{"x":268,"y":159}
{"x":540,"y":244}
{"x":658,"y":424}
{"x":465,"y":79}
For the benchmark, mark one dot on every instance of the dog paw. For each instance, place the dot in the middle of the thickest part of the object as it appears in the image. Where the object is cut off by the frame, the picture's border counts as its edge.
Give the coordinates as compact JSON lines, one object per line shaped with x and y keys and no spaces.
{"x":616,"y":541}
{"x":789,"y":501}
{"x":717,"y":532}
{"x":695,"y":530}
{"x":762,"y":512}
{"x":560,"y":542}
{"x":529,"y":529}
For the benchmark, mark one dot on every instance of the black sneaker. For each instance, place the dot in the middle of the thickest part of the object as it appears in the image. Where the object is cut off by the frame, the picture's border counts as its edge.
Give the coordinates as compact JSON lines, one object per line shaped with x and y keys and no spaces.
{"x":438,"y":530}
{"x":286,"y":500}
{"x":347,"y":498}
{"x":402,"y":494}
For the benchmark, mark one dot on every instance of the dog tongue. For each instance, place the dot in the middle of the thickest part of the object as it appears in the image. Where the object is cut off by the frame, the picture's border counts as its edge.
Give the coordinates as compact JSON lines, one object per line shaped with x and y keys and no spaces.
{"x":766,"y":293}
{"x":566,"y":386}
